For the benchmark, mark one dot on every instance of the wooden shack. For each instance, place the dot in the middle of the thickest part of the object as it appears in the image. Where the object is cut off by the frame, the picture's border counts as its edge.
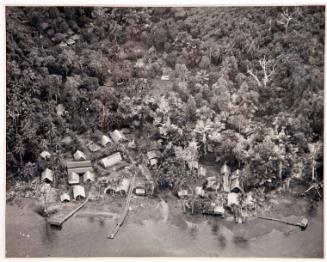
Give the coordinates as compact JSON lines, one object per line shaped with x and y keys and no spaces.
{"x":153,"y":157}
{"x":105,"y":140}
{"x":65,"y":197}
{"x":79,"y":155}
{"x":88,"y":177}
{"x":73,"y":178}
{"x":47,"y":176}
{"x":118,"y":136}
{"x":111,"y":160}
{"x":93,"y":147}
{"x":78,"y":192}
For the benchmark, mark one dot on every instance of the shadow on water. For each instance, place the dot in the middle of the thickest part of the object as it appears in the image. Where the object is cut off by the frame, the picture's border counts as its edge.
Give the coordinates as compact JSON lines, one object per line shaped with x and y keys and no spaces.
{"x":215,"y":230}
{"x":194,"y":231}
{"x":240,"y":241}
{"x":49,"y":234}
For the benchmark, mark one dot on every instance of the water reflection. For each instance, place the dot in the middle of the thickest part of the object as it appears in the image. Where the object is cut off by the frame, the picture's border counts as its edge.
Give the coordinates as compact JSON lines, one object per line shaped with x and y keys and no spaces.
{"x":49,"y":232}
{"x":215,"y":228}
{"x":222,"y":240}
{"x":195,"y":237}
{"x":90,"y":219}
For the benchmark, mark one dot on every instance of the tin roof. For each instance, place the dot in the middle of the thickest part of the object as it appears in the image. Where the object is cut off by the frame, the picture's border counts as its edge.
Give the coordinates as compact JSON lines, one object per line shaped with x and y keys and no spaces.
{"x":111,"y":160}
{"x":77,"y":164}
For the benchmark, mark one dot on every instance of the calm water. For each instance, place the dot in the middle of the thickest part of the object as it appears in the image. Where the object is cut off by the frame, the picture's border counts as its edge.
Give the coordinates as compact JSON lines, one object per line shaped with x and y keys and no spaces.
{"x":156,"y":228}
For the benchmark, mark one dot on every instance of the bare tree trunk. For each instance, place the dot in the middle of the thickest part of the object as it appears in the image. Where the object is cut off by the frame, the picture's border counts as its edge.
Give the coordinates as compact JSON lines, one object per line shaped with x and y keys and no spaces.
{"x":280,"y":169}
{"x":313,"y":176}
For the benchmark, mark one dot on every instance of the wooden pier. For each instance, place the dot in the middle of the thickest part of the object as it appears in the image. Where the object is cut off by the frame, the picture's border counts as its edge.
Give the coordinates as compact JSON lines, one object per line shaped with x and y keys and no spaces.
{"x":59,"y":219}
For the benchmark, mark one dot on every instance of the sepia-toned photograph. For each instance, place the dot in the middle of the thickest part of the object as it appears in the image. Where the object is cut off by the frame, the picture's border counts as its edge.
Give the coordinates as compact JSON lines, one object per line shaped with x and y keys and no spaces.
{"x":164,"y":131}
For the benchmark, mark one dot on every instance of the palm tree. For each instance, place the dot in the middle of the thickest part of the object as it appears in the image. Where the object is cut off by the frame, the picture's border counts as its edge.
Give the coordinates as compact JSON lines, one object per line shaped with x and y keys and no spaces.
{"x":19,"y":148}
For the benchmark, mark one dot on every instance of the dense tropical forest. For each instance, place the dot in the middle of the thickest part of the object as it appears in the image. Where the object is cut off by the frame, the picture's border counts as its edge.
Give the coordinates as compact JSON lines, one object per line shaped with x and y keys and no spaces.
{"x":242,"y":86}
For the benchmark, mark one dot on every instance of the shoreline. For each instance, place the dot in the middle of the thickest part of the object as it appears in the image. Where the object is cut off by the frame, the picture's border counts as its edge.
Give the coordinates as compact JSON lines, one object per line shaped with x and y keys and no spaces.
{"x":158,"y":218}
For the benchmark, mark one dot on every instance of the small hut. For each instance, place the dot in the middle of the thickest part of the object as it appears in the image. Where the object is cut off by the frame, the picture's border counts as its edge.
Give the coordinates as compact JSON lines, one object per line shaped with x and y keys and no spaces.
{"x":215,"y":209}
{"x":235,"y":185}
{"x":105,"y":140}
{"x":202,"y":171}
{"x":93,"y":147}
{"x":123,"y":186}
{"x":88,"y":177}
{"x":60,"y":110}
{"x":140,"y":187}
{"x":78,"y":192}
{"x":65,"y":197}
{"x":232,"y":199}
{"x":153,"y":157}
{"x":152,"y":154}
{"x":131,"y":144}
{"x":73,"y":178}
{"x":79,"y":155}
{"x":140,"y":191}
{"x":47,"y":176}
{"x":194,"y":164}
{"x":70,"y":41}
{"x":118,"y":136}
{"x":45,"y":155}
{"x":211,"y":183}
{"x":199,"y":191}
{"x":165,"y":77}
{"x":183,"y":193}
{"x":75,"y":37}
